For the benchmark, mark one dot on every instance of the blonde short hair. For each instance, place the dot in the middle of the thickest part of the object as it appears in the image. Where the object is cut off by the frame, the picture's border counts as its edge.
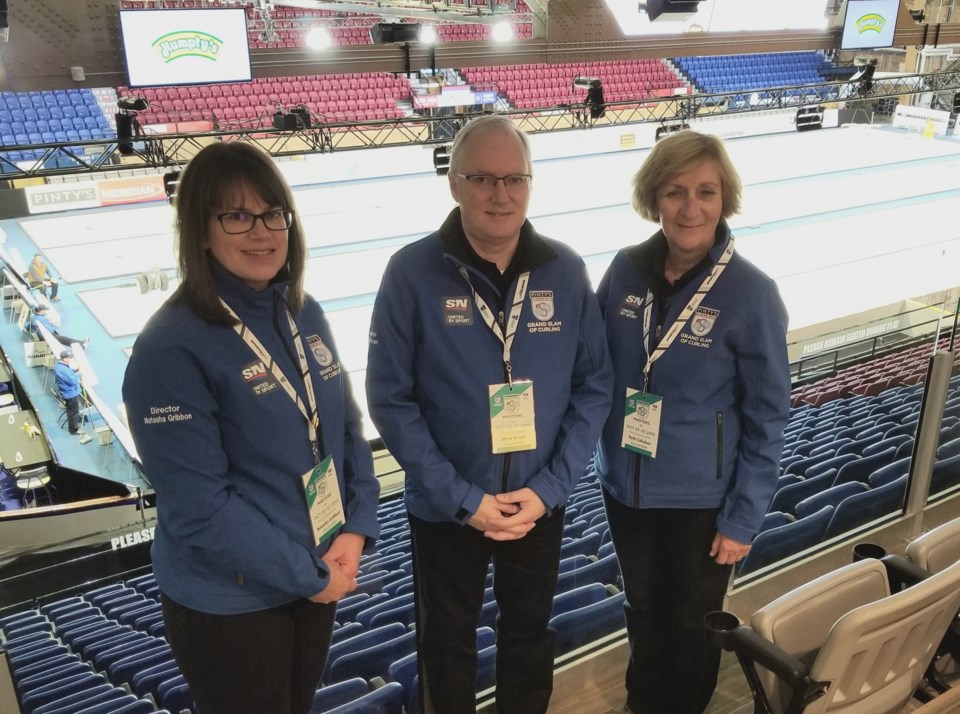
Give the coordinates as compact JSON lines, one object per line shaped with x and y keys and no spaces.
{"x":675,"y":154}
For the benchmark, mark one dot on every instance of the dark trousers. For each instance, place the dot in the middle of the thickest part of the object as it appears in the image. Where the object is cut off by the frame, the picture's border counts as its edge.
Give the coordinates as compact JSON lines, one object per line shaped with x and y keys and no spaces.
{"x":266,"y":661}
{"x":74,"y":420}
{"x":671,"y":582}
{"x":49,"y":290}
{"x":450,"y":569}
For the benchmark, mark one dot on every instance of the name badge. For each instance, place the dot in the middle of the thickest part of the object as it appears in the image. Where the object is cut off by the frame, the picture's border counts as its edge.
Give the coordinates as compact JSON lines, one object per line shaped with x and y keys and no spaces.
{"x":641,"y":422}
{"x":322,"y":490}
{"x":512,"y":422}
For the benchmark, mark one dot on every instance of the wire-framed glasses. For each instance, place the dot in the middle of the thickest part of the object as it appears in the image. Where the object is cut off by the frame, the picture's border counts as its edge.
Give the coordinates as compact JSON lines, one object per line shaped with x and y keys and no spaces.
{"x":487,"y":182}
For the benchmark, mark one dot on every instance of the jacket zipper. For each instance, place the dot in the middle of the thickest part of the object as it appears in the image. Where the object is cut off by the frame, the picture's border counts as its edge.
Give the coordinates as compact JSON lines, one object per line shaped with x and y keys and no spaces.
{"x":719,"y":444}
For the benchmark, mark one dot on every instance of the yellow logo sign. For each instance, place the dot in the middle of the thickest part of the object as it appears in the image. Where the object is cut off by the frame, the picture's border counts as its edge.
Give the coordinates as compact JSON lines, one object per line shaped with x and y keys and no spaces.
{"x":871,"y":23}
{"x":188,"y":43}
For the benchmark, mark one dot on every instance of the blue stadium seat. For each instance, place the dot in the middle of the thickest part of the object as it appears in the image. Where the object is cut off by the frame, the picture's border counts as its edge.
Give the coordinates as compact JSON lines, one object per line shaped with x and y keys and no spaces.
{"x":578,"y":627}
{"x":946,"y":474}
{"x":147,"y":680}
{"x":367,"y":614}
{"x":61,"y":688}
{"x":388,"y":699}
{"x":373,"y":660}
{"x":787,"y":498}
{"x":861,"y":469}
{"x":775,"y":519}
{"x":108,"y":701}
{"x":177,"y":698}
{"x":579,"y":597}
{"x":867,"y":506}
{"x":832,"y":496}
{"x":779,"y":543}
{"x":890,"y":472}
{"x":123,"y":671}
{"x":363,"y":642}
{"x":334,"y":695}
{"x":85,"y":697}
{"x":605,"y":570}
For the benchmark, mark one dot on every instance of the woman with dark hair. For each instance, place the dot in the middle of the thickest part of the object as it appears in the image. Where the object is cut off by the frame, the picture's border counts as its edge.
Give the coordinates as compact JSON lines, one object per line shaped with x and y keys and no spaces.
{"x":246,"y":426}
{"x":689,"y":457}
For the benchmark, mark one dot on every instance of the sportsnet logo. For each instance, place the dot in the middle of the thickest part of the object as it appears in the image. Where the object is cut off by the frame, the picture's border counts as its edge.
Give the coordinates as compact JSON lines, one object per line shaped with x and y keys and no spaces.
{"x":258,"y":378}
{"x":457,"y":311}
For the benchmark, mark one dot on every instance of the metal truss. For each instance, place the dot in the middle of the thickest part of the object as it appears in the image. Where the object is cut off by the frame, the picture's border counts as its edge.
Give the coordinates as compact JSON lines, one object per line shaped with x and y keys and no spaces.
{"x":163,"y":151}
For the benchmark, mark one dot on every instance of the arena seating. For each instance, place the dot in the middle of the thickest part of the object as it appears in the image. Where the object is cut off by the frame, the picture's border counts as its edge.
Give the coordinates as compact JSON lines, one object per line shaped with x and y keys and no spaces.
{"x":757,"y":73}
{"x":847,"y":641}
{"x":543,"y":85}
{"x":108,"y":642}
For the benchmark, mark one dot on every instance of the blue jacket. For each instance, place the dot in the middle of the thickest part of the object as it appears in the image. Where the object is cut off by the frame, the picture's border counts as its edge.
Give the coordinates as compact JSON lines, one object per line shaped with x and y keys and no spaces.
{"x":725,"y":389}
{"x":432,"y":358}
{"x":68,"y":379}
{"x":225,"y":448}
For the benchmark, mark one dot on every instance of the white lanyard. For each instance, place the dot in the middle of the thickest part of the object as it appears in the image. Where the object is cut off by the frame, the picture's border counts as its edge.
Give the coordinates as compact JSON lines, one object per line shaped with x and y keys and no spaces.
{"x":512,"y":322}
{"x":313,"y":417}
{"x":684,"y":316}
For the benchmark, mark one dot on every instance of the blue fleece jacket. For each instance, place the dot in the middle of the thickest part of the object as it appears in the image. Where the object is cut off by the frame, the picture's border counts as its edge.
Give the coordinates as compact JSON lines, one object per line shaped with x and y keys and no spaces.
{"x":68,"y":379}
{"x":225,"y":448}
{"x":432,"y":358}
{"x":725,"y":384}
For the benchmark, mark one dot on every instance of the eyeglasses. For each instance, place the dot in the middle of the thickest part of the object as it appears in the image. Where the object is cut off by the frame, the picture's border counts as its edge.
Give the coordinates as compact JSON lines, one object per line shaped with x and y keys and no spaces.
{"x":513,"y":182}
{"x":233,"y":222}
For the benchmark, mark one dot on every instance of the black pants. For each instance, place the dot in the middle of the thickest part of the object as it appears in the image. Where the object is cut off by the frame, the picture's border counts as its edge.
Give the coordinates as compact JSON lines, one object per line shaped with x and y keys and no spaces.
{"x":49,"y":290}
{"x":266,"y":661}
{"x":450,"y":569}
{"x":74,"y":421}
{"x":671,"y":582}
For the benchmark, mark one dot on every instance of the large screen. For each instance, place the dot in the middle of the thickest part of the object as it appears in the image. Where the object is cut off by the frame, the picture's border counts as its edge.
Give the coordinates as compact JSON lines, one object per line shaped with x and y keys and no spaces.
{"x":869,"y":24}
{"x":164,"y":47}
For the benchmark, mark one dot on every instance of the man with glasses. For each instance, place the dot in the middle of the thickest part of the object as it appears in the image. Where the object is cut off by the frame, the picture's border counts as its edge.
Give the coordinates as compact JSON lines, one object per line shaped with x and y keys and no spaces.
{"x":488,"y":378}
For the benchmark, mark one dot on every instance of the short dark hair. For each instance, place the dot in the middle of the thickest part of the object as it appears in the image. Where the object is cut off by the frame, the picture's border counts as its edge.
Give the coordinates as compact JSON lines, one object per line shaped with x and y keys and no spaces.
{"x":212,"y":176}
{"x":675,"y":154}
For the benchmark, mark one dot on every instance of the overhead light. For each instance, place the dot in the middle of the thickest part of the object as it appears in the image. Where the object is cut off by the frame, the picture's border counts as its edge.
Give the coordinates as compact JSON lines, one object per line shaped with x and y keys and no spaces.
{"x":428,"y":34}
{"x":502,"y":32}
{"x":317,"y":38}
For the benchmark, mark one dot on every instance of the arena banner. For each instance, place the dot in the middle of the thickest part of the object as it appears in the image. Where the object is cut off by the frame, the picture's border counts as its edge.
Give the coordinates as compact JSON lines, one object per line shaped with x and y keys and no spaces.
{"x":52,"y":198}
{"x":929,"y":121}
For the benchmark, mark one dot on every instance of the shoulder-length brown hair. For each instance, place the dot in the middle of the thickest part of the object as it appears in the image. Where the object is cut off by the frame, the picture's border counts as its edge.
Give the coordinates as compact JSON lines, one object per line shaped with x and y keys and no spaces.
{"x":675,"y":154}
{"x":207,"y":184}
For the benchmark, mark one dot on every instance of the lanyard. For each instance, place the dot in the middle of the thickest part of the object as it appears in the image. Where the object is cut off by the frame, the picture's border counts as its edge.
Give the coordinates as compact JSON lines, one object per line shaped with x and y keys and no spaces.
{"x":512,"y":322}
{"x":684,"y":316}
{"x":313,"y":417}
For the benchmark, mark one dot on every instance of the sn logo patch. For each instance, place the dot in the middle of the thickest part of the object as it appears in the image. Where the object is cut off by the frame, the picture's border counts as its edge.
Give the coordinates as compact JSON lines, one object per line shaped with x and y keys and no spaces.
{"x":457,"y":311}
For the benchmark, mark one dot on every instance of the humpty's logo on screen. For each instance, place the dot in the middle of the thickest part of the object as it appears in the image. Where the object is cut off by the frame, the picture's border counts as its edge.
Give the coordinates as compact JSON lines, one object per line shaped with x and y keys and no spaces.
{"x":872,"y":22}
{"x":188,"y":43}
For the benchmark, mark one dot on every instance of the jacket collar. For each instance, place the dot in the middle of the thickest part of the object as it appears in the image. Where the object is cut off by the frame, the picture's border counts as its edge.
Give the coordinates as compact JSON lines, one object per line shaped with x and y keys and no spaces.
{"x":532,"y":249}
{"x":243,"y":299}
{"x":650,"y":258}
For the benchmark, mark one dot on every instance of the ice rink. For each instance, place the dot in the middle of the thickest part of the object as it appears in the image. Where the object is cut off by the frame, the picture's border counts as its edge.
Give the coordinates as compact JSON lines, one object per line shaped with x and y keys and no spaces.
{"x":844,"y":219}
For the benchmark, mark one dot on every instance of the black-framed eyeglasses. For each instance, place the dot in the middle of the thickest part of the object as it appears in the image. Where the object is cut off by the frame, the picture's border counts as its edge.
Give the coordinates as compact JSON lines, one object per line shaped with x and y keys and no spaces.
{"x":233,"y":222}
{"x":489,"y":182}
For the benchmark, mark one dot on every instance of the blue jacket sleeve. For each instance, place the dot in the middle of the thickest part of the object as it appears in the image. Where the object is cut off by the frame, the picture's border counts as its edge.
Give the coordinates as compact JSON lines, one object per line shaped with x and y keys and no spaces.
{"x":362,"y":487}
{"x":763,"y":375}
{"x":200,"y":503}
{"x":393,"y":405}
{"x":591,"y":395}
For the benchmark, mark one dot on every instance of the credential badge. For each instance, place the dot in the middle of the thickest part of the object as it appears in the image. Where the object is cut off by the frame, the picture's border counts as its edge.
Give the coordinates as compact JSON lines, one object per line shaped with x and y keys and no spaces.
{"x":320,"y":351}
{"x":703,"y":321}
{"x":541,"y":301}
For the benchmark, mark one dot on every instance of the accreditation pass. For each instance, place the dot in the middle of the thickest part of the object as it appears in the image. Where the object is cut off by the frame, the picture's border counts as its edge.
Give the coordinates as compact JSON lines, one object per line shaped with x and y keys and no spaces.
{"x":641,"y":422}
{"x":323,"y":499}
{"x":512,"y":421}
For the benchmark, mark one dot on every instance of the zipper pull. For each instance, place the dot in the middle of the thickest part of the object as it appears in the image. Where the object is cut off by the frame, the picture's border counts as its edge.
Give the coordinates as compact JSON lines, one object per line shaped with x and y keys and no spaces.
{"x":500,"y":318}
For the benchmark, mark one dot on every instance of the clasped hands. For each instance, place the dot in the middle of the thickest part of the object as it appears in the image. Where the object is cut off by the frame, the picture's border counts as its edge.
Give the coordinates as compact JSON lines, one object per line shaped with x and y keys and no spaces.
{"x":508,"y":516}
{"x":343,"y":561}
